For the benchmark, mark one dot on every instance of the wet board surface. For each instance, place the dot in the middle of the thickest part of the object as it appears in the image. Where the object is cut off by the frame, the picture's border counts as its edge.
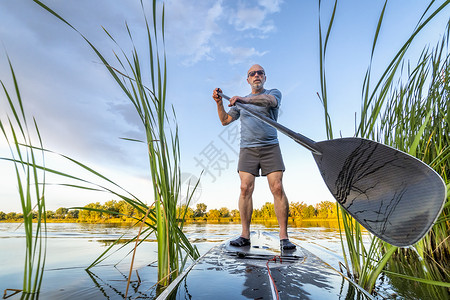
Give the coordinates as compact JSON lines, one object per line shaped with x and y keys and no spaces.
{"x":228,"y":272}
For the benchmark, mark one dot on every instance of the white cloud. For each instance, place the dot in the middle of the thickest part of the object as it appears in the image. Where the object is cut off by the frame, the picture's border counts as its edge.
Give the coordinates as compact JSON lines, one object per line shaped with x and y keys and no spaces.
{"x":241,"y":54}
{"x":191,"y":27}
{"x":255,"y":17}
{"x":272,"y":6}
{"x":197,"y":30}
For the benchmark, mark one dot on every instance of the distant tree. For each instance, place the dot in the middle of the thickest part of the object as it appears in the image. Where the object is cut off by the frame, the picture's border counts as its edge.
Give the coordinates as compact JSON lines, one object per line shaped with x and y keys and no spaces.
{"x":2,"y":216}
{"x":268,"y":210}
{"x":73,"y":214}
{"x":310,"y":212}
{"x":11,"y":216}
{"x":112,"y":207}
{"x":326,"y":209}
{"x":50,"y":214}
{"x":61,"y":212}
{"x":89,"y":214}
{"x":187,"y":212}
{"x":224,"y":212}
{"x":257,"y":214}
{"x":34,"y":214}
{"x":235,"y":214}
{"x":296,"y":209}
{"x":213,"y":214}
{"x":126,"y":208}
{"x":201,"y":210}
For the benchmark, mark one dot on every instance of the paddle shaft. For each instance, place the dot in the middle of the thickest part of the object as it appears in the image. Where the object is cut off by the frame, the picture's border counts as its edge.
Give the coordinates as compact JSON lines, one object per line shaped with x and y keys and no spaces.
{"x":299,"y":138}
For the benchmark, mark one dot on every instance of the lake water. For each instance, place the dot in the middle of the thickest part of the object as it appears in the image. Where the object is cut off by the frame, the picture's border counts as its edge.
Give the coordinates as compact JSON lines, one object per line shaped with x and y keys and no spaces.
{"x":71,"y":247}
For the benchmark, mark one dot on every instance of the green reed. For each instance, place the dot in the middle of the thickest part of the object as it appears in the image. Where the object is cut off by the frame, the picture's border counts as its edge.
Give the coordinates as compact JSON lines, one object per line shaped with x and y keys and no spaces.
{"x":413,"y":118}
{"x":418,"y":114}
{"x":31,"y":185}
{"x":420,"y":107}
{"x":161,"y":140}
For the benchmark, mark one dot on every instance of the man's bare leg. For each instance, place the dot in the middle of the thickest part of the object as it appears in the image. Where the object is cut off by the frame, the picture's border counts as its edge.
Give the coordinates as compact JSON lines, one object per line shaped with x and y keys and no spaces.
{"x":246,"y":202}
{"x":280,"y":201}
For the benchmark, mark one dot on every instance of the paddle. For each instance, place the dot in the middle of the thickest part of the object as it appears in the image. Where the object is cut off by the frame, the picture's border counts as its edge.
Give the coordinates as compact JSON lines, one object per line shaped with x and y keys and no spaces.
{"x":391,"y":193}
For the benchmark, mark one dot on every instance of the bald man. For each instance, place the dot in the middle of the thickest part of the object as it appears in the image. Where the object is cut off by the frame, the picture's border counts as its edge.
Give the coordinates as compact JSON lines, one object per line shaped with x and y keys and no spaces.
{"x":259,"y":152}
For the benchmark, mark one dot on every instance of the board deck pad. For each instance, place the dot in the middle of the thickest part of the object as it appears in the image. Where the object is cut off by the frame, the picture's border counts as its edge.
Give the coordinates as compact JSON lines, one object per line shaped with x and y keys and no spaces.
{"x":263,"y":247}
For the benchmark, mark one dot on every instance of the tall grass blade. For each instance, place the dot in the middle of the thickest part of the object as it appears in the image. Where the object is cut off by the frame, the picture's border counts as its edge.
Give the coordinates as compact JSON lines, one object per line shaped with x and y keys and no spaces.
{"x":31,"y":187}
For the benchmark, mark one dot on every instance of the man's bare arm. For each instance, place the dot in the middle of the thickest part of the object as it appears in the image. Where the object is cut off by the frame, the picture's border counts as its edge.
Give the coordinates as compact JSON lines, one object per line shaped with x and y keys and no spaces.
{"x":262,"y":100}
{"x":224,"y":117}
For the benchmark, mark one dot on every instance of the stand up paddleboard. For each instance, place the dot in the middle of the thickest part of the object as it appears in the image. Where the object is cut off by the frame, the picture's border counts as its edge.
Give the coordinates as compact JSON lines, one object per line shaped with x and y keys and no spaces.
{"x":261,"y":271}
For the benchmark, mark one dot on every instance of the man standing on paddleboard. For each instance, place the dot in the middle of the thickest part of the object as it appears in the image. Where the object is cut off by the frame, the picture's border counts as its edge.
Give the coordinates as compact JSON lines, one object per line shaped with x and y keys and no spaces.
{"x":259,"y":151}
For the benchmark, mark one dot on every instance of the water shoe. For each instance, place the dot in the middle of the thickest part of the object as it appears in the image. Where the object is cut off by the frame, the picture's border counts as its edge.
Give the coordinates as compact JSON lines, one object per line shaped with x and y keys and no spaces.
{"x":240,"y":242}
{"x":285,"y":244}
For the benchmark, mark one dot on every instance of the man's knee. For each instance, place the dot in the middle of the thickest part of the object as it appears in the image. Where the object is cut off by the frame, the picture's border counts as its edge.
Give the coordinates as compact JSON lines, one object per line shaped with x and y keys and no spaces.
{"x":246,"y":188}
{"x":277,"y":188}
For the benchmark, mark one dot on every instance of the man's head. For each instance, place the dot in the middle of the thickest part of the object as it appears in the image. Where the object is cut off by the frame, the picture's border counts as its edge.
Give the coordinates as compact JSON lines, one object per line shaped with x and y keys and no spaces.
{"x":256,"y":77}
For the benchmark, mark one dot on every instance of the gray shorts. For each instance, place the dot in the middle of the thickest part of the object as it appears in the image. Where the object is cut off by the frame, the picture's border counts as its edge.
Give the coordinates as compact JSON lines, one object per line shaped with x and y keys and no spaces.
{"x":267,"y":158}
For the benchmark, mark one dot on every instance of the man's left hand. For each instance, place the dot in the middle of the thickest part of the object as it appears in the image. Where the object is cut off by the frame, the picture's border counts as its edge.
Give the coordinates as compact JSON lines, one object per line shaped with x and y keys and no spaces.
{"x":235,"y":99}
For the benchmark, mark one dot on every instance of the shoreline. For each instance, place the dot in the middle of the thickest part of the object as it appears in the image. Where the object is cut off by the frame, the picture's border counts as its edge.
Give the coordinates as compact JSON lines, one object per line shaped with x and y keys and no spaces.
{"x":197,"y":220}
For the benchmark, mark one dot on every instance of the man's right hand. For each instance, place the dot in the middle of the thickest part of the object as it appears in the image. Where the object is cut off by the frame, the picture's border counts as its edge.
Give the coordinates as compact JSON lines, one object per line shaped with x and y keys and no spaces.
{"x":216,"y":95}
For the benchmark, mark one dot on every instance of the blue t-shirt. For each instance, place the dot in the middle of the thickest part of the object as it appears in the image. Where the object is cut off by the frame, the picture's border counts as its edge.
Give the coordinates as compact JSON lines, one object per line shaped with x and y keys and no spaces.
{"x":254,"y":132}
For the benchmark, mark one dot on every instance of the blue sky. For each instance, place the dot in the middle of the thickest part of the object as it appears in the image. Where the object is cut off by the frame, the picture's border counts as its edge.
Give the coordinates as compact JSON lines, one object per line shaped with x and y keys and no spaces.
{"x":83,"y":114}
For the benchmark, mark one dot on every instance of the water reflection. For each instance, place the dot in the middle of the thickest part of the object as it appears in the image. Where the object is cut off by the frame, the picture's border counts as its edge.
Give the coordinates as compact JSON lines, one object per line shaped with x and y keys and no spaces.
{"x":410,"y":265}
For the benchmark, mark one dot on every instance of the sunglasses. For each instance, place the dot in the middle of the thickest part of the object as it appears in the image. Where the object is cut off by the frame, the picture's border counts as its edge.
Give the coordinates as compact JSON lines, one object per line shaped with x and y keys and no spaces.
{"x":253,"y":73}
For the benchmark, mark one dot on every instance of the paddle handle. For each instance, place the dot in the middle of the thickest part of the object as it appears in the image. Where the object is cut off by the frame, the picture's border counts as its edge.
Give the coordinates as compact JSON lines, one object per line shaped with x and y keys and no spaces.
{"x":299,"y":138}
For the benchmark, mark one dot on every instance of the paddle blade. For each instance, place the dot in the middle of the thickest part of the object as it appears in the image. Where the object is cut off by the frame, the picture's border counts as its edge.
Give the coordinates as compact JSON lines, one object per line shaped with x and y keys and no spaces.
{"x":392,"y":194}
